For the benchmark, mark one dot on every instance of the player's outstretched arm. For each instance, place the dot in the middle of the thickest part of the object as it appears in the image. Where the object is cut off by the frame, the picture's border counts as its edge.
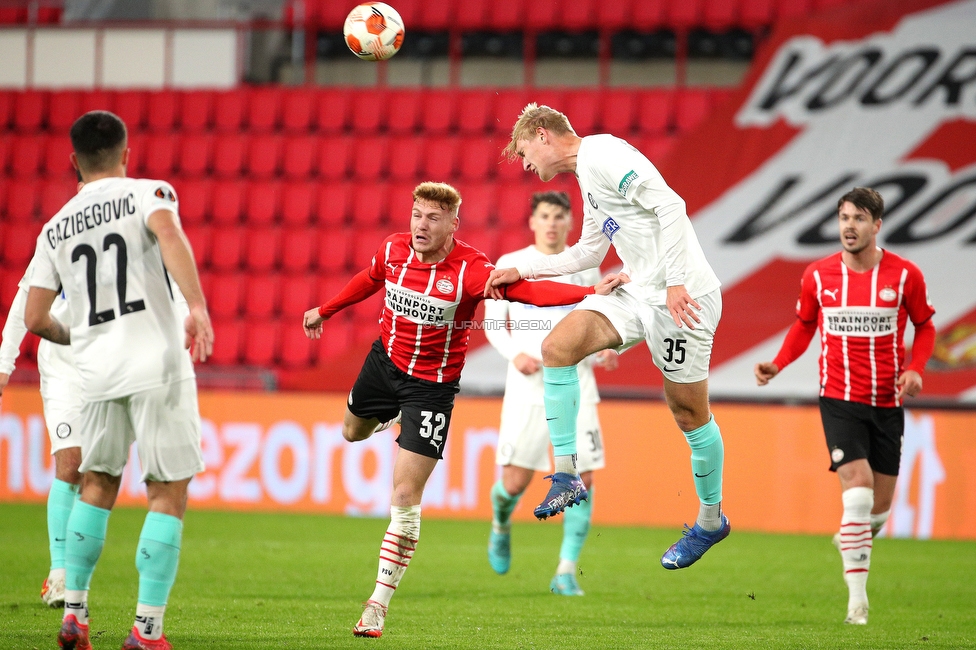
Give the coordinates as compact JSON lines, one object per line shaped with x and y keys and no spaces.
{"x":14,"y":331}
{"x":498,"y":279}
{"x":362,"y":286}
{"x":178,"y":260}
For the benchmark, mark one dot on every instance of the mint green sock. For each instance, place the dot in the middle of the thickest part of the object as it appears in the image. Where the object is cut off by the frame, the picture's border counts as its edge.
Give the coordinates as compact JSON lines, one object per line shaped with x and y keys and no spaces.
{"x":707,"y":460}
{"x":87,"y":526}
{"x":60,"y":500}
{"x":502,"y":504}
{"x":576,"y":526}
{"x":157,"y":557}
{"x":561,"y":396}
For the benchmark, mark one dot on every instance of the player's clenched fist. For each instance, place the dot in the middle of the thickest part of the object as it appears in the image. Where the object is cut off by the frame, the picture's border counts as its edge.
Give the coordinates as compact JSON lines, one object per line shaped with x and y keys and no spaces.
{"x":764,"y":372}
{"x":312,"y":323}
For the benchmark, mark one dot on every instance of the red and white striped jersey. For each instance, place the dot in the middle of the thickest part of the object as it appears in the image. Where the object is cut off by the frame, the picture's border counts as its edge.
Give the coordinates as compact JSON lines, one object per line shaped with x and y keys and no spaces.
{"x":862,"y":318}
{"x":429,"y":308}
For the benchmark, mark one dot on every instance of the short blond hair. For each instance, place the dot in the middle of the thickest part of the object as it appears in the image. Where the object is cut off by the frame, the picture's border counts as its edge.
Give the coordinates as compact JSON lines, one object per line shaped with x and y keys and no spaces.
{"x":532,"y":117}
{"x":442,"y":194}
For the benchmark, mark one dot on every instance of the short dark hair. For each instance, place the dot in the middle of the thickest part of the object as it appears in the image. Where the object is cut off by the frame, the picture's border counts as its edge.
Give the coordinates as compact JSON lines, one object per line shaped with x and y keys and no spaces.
{"x":866,"y":199}
{"x":555,"y":198}
{"x":98,"y":138}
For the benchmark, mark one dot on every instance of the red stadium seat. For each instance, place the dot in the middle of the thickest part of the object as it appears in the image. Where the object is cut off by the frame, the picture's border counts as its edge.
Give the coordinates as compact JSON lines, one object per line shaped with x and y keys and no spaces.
{"x":369,"y":158}
{"x":509,"y":170}
{"x":200,"y":241}
{"x":613,"y":16}
{"x":298,"y":249}
{"x":130,"y":105}
{"x":366,"y":316}
{"x":474,"y":111}
{"x":334,"y":247}
{"x":7,"y":98}
{"x":330,"y":14}
{"x":404,"y":157}
{"x":786,"y":9}
{"x":514,"y":206}
{"x":195,"y":152}
{"x":226,"y":295}
{"x":471,"y":15}
{"x":655,"y":111}
{"x":26,"y":153}
{"x":648,"y":15}
{"x":162,"y":109}
{"x":371,"y":208}
{"x":578,"y":15}
{"x":194,"y":195}
{"x":19,"y":242}
{"x":6,"y":146}
{"x":407,"y":107}
{"x":338,"y":335}
{"x":365,"y":244}
{"x":399,"y":204}
{"x":477,"y":204}
{"x":262,"y":249}
{"x":264,"y":156}
{"x":227,"y":248}
{"x":441,"y":157}
{"x":508,"y":240}
{"x":368,"y":111}
{"x":508,"y":105}
{"x":196,"y":110}
{"x":263,"y":202}
{"x":335,"y":157}
{"x":263,"y":295}
{"x":542,"y":15}
{"x":583,"y":111}
{"x":230,"y":151}
{"x":505,"y":15}
{"x":754,"y":14}
{"x":480,"y":237}
{"x":440,"y":111}
{"x":95,"y":100}
{"x":9,"y":281}
{"x":158,"y":154}
{"x":21,"y":199}
{"x":435,"y":16}
{"x":298,"y":109}
{"x":692,"y":106}
{"x":333,"y":204}
{"x":719,"y":15}
{"x":298,"y":295}
{"x":230,"y":109}
{"x":261,"y":342}
{"x":297,"y":350}
{"x":228,"y":340}
{"x":619,"y":111}
{"x":264,"y":109}
{"x":54,"y":194}
{"x":57,"y":157}
{"x":333,"y":110}
{"x":299,"y":156}
{"x":30,"y":108}
{"x":297,"y":202}
{"x":63,"y":110}
{"x":684,"y":15}
{"x":228,"y":202}
{"x":478,"y":158}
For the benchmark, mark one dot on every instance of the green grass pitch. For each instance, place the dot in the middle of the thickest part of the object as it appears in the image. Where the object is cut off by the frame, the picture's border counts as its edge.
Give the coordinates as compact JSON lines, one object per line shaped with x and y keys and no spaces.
{"x":298,"y":581}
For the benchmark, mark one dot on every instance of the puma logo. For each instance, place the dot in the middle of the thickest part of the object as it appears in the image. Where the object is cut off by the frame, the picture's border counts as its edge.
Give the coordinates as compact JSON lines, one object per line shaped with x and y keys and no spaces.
{"x":832,"y":293}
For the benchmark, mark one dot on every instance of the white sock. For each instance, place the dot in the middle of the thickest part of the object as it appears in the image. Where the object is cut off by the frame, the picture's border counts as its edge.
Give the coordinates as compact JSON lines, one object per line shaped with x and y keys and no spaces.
{"x":397,"y":548}
{"x":565,"y":566}
{"x":566,"y":464}
{"x":855,"y":543}
{"x":710,"y":516}
{"x":149,"y":621}
{"x":878,"y":521}
{"x":76,"y":602}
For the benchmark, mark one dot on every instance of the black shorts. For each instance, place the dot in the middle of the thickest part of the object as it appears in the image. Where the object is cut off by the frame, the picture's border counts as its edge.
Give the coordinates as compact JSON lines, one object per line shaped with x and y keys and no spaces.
{"x":856,"y":431}
{"x":382,"y":390}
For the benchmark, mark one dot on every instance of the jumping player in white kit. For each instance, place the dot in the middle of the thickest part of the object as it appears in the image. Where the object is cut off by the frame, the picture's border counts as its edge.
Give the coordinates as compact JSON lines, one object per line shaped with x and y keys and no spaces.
{"x":673,"y":302}
{"x":61,"y":394}
{"x":516,"y":330}
{"x":115,"y":249}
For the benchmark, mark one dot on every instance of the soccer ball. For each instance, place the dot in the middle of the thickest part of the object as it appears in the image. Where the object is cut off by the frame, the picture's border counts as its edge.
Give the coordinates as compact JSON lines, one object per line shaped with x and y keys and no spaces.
{"x":373,"y":31}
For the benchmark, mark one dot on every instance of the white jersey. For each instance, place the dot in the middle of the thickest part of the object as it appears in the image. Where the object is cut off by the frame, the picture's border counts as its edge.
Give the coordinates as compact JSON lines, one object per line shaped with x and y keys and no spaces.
{"x":126,"y":326}
{"x":627,"y":203}
{"x":55,"y":363}
{"x":529,"y":326}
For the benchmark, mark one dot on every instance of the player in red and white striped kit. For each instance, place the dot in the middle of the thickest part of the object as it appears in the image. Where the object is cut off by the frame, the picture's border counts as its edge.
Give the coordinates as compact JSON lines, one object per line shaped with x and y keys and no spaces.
{"x":433,"y":284}
{"x":861,"y":299}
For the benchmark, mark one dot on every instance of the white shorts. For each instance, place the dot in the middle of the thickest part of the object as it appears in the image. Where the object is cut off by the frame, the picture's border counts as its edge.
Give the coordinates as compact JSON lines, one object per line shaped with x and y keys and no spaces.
{"x":62,"y":415}
{"x":682,"y":354}
{"x":523,"y":438}
{"x":164,"y":421}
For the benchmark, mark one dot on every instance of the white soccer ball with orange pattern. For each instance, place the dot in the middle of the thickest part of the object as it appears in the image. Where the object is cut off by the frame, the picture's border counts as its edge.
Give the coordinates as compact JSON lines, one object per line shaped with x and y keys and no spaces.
{"x":373,"y":31}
